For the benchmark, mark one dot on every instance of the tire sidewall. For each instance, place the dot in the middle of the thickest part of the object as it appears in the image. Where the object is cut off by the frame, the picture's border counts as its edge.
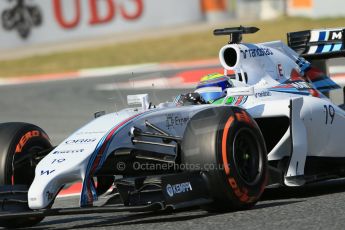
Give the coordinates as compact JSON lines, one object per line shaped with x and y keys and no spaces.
{"x":202,"y":145}
{"x":237,"y":189}
{"x":21,"y":137}
{"x":16,"y":138}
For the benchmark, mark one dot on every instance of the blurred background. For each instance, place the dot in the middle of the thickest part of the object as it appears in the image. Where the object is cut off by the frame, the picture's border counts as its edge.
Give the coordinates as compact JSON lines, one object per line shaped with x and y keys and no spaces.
{"x":66,"y":35}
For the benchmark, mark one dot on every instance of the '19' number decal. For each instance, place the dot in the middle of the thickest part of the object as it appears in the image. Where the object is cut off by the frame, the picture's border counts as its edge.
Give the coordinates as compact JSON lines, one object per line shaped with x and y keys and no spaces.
{"x":330,"y":113}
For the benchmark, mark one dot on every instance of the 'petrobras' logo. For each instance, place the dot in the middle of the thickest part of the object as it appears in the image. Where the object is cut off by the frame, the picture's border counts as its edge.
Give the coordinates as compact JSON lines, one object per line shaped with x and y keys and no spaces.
{"x":178,"y":188}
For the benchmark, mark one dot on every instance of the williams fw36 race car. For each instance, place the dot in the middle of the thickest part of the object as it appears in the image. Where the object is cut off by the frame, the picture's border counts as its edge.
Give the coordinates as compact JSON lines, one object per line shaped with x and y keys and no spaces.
{"x":264,"y":122}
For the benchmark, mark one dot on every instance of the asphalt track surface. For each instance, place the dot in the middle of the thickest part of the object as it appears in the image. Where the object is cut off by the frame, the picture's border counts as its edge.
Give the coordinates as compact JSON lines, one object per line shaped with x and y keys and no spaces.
{"x":61,"y":107}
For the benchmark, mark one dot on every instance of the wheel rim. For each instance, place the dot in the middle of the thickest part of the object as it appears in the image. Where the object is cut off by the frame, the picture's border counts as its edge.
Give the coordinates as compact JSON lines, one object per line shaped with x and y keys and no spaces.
{"x":24,"y":173}
{"x":247,"y":156}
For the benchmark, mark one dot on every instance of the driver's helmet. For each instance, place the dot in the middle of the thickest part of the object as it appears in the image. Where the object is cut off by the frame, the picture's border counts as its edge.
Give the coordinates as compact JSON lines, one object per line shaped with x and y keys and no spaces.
{"x":213,"y":86}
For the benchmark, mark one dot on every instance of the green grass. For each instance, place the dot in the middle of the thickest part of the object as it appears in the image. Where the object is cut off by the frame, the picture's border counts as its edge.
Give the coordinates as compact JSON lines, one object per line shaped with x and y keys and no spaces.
{"x":199,"y":45}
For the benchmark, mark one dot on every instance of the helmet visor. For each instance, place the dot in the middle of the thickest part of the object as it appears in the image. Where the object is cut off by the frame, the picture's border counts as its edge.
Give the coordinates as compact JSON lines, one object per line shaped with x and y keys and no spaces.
{"x":210,"y":93}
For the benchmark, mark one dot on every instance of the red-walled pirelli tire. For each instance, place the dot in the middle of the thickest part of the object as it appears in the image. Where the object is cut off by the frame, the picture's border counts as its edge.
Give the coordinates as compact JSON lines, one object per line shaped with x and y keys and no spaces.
{"x":17,"y":141}
{"x":226,"y":143}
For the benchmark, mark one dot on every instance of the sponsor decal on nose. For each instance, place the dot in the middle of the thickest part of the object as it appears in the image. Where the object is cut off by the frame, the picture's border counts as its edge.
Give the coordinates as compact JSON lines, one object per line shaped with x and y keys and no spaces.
{"x":81,"y":141}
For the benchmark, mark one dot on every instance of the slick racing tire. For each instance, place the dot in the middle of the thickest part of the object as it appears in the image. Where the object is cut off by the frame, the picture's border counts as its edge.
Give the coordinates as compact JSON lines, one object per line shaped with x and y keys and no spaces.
{"x":17,"y":168}
{"x":226,"y":144}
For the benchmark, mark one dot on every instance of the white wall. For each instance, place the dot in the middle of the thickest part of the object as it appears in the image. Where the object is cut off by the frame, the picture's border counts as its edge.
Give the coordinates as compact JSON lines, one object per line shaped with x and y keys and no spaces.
{"x":268,"y":9}
{"x":149,"y":14}
{"x":320,"y":9}
{"x":329,"y":8}
{"x":259,"y":9}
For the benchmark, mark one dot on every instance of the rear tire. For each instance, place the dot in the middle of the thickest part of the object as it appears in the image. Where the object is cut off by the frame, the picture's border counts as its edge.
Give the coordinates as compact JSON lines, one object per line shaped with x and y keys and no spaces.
{"x":17,"y":140}
{"x":226,"y":144}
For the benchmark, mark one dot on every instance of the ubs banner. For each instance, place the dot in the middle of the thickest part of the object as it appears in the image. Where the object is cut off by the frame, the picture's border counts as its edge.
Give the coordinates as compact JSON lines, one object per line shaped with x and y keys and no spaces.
{"x":26,"y":22}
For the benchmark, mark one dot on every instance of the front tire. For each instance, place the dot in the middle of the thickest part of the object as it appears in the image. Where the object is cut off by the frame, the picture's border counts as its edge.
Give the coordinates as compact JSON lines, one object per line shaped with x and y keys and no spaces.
{"x":226,"y":143}
{"x":17,"y":142}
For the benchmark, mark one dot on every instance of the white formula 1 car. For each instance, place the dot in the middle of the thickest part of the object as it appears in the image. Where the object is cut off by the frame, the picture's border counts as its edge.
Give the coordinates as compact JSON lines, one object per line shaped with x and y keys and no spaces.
{"x":271,"y":125}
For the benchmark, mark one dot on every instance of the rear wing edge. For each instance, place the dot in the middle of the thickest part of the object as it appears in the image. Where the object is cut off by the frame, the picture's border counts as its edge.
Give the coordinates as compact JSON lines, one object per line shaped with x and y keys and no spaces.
{"x":318,"y":44}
